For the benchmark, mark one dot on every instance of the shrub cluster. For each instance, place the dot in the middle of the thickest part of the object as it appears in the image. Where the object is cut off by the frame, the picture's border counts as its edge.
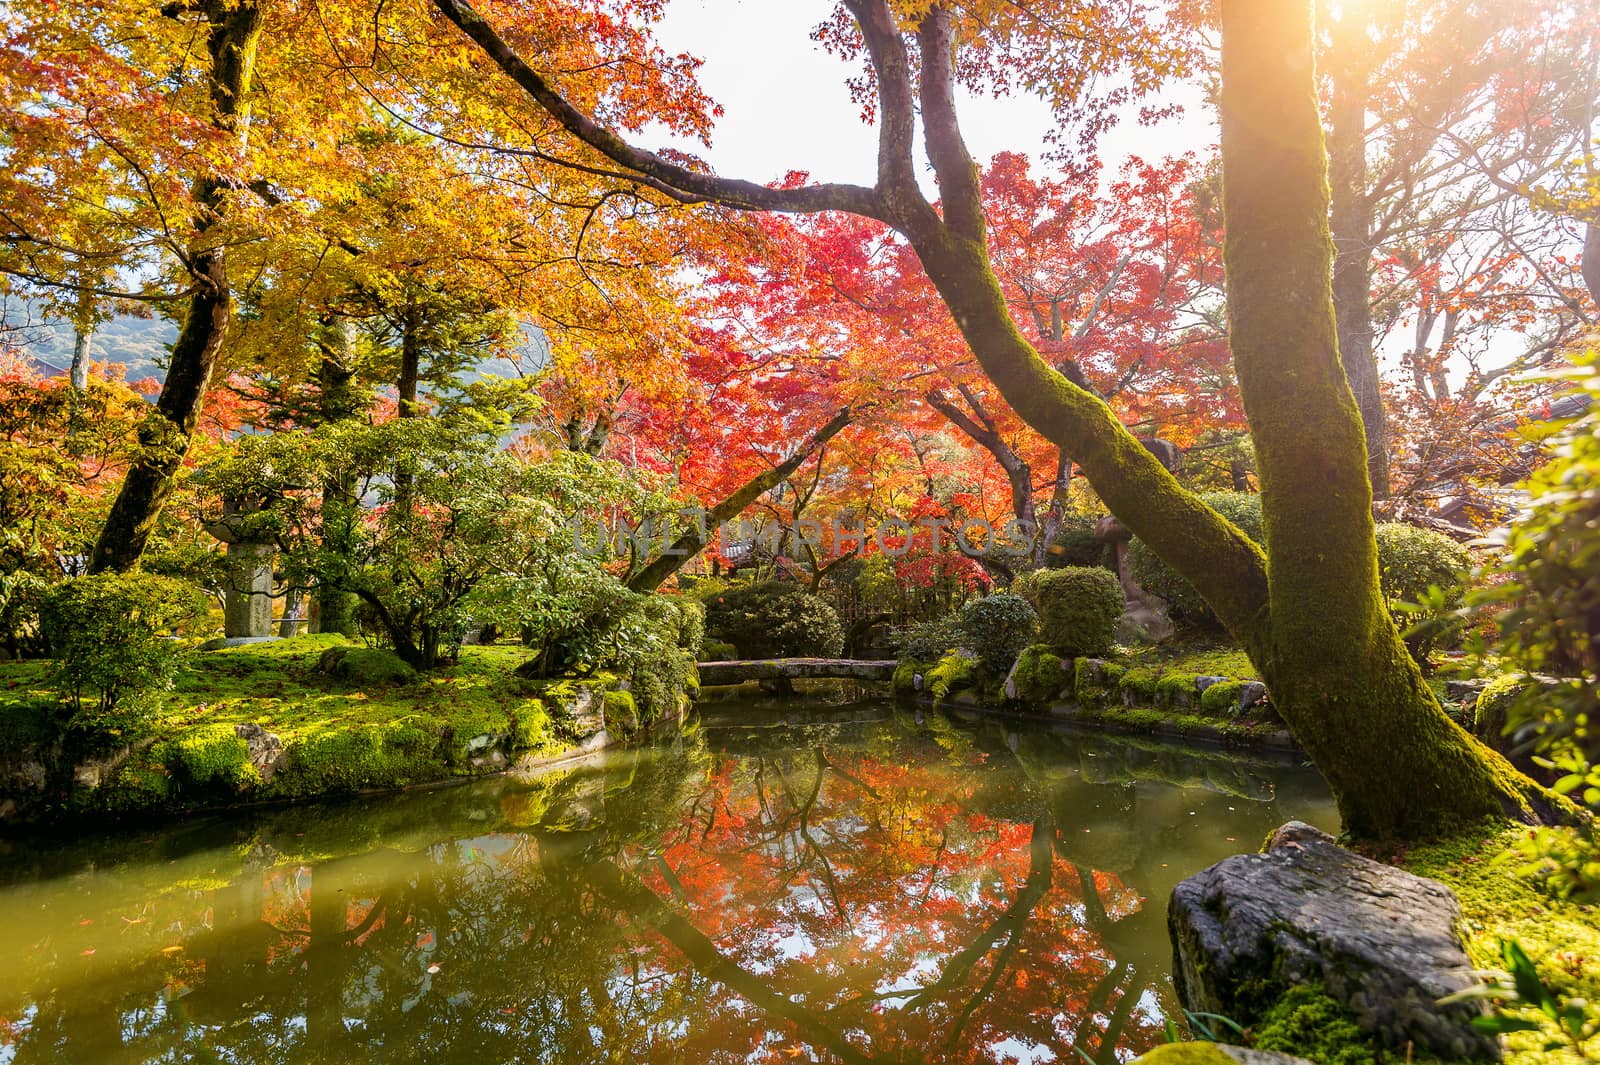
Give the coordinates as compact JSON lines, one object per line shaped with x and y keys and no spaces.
{"x":927,"y":641}
{"x":774,"y":619}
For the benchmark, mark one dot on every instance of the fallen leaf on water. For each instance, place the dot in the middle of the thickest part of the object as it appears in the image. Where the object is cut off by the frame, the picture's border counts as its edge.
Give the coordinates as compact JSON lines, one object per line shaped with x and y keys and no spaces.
{"x":434,"y":967}
{"x":87,"y":952}
{"x":171,"y":950}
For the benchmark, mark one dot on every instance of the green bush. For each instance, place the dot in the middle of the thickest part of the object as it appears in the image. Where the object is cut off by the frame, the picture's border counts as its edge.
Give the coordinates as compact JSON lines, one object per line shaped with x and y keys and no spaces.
{"x":112,"y":637}
{"x":1078,"y":607}
{"x":929,"y":640}
{"x":1155,"y":576}
{"x":998,"y":628}
{"x":775,"y":619}
{"x":1410,"y":562}
{"x":718,"y":651}
{"x":1075,"y":545}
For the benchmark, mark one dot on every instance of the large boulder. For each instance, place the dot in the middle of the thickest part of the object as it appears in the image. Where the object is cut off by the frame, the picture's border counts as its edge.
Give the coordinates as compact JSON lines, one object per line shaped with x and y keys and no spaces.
{"x":1380,"y":940}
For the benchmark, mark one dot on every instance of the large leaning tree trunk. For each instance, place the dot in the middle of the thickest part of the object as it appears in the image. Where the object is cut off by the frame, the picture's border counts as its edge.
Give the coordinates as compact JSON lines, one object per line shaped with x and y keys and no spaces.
{"x":1312,"y":620}
{"x":233,"y":32}
{"x":693,"y":541}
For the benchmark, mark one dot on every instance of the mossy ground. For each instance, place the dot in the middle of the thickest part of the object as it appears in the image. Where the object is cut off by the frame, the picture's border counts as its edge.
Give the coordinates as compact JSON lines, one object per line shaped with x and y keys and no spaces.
{"x":1497,"y":902}
{"x":1205,"y":655}
{"x":342,"y":735}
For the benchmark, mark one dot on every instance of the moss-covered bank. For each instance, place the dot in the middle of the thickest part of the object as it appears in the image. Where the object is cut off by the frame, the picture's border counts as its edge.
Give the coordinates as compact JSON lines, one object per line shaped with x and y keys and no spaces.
{"x":1180,"y":694}
{"x":361,"y":722}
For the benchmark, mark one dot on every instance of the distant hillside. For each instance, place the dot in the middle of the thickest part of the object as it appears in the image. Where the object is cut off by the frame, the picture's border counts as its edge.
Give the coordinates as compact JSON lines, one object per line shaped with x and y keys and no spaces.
{"x":140,"y":344}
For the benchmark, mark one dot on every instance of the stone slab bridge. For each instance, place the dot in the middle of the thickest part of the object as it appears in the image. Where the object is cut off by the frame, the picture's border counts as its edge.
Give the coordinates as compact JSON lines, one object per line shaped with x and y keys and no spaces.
{"x":788,"y":669}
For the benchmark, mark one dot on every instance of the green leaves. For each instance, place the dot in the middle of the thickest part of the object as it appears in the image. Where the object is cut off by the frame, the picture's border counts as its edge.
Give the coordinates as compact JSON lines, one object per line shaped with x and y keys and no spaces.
{"x":1573,"y":1022}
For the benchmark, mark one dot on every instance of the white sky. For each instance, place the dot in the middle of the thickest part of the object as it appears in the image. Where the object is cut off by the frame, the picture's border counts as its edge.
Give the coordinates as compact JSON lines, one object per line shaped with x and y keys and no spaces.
{"x":787,"y":106}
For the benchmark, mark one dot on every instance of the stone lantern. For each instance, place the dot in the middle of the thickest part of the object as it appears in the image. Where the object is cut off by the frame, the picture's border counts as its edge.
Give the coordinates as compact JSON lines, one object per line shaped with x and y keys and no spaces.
{"x":247,"y":595}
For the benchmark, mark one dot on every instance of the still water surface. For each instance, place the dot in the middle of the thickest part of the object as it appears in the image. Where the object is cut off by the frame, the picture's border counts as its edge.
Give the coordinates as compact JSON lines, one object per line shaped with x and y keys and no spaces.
{"x":838,"y":884}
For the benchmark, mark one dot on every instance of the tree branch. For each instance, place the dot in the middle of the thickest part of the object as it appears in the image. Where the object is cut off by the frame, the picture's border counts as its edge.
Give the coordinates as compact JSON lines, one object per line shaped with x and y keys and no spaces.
{"x":648,"y":165}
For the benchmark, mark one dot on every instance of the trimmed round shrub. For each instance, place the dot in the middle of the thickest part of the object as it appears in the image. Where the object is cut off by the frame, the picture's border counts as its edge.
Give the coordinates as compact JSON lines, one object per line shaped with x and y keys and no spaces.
{"x":775,"y":620}
{"x":1410,"y":560}
{"x":999,"y":628}
{"x":1158,"y":578}
{"x":1078,"y":608}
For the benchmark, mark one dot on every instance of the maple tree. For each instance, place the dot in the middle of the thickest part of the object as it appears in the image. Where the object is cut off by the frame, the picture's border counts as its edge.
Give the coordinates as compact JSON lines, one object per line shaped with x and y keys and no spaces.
{"x":1352,"y":695}
{"x":1443,"y":119}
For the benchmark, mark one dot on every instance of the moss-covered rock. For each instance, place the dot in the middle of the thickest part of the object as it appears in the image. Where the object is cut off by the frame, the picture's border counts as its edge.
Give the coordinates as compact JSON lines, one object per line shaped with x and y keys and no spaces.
{"x":906,"y":673}
{"x":622,"y":713}
{"x":1039,"y":676}
{"x":1491,"y":711}
{"x":213,"y":756}
{"x":1178,"y":691}
{"x":1307,"y":1021}
{"x":365,"y":667}
{"x":1095,"y":680}
{"x":1138,"y":687}
{"x":1222,"y":698}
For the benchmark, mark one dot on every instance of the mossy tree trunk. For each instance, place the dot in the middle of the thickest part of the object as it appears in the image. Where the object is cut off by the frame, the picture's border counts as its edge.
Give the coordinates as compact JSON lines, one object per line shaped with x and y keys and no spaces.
{"x":337,"y":400}
{"x":1331,"y":653}
{"x":234,"y":31}
{"x":1312,"y":620}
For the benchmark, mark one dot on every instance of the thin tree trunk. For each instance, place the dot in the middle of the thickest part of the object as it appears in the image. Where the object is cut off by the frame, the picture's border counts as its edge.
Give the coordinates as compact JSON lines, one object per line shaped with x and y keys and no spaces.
{"x":336,"y":401}
{"x":82,"y":342}
{"x":1352,"y":241}
{"x":1591,"y":261}
{"x":234,"y":32}
{"x":1056,"y":516}
{"x":981,"y":430}
{"x":410,"y":364}
{"x":691,"y":542}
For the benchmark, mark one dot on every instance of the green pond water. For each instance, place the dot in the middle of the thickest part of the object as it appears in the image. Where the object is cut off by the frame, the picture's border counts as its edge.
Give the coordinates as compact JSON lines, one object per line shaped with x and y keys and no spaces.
{"x":840,"y":883}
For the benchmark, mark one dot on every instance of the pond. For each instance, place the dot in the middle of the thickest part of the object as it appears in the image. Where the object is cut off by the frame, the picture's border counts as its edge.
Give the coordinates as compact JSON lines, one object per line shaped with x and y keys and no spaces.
{"x":839,"y":883}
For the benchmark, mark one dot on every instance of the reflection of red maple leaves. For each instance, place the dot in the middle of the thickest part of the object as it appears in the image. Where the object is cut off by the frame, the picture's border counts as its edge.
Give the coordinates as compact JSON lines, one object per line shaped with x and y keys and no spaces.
{"x":871,"y":891}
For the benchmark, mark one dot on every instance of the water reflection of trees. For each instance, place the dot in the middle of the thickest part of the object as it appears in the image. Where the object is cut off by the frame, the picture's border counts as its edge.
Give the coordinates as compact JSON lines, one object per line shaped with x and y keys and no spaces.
{"x":887,"y":891}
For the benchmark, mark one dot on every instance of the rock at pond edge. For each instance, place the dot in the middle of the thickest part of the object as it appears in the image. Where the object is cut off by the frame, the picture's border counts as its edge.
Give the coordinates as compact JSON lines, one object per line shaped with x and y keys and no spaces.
{"x":1382,"y":941}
